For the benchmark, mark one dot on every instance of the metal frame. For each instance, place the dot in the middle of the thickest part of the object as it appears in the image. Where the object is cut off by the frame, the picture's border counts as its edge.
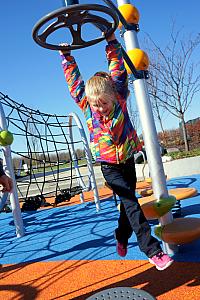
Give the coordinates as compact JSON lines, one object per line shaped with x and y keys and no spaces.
{"x":92,"y":181}
{"x":8,"y":167}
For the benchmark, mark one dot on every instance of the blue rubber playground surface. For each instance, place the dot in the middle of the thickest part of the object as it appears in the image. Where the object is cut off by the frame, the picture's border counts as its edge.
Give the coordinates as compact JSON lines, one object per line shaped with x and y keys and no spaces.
{"x":78,"y":232}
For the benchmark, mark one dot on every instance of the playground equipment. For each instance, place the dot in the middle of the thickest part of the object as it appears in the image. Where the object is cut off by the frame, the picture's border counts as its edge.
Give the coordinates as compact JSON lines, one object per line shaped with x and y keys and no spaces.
{"x":139,"y":58}
{"x":49,"y":145}
{"x":150,"y":140}
{"x":149,"y":203}
{"x":180,"y":231}
{"x":7,"y":162}
{"x":179,"y":193}
{"x":137,"y":64}
{"x":130,"y":14}
{"x":155,"y":209}
{"x":75,"y":15}
{"x":74,"y":18}
{"x":6,"y":138}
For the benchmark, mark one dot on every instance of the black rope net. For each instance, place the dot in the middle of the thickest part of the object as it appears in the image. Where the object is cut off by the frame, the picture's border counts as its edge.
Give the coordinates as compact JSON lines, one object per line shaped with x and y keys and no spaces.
{"x":42,"y":154}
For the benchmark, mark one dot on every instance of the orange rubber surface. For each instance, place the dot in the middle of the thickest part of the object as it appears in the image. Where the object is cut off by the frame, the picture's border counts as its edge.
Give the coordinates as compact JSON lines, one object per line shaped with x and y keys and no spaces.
{"x":79,"y":279}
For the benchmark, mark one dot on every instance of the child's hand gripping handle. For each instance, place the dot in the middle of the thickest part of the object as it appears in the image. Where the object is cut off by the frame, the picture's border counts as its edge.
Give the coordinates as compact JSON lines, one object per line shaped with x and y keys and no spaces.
{"x":64,"y":52}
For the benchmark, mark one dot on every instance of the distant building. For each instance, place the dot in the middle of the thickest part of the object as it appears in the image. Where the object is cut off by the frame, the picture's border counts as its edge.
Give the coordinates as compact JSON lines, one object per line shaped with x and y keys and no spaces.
{"x":190,"y":122}
{"x":193,"y":121}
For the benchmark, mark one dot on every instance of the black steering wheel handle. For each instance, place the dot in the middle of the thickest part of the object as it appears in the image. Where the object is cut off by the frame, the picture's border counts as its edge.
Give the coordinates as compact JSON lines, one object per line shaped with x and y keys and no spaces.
{"x":73,"y":18}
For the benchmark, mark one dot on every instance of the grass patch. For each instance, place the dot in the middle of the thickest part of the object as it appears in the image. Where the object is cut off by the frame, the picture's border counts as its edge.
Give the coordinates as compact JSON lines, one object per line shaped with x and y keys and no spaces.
{"x":55,"y":168}
{"x":184,"y":154}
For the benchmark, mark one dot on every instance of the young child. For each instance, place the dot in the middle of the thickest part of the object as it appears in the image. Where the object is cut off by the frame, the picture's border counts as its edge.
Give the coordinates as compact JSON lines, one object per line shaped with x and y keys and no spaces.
{"x":113,"y":142}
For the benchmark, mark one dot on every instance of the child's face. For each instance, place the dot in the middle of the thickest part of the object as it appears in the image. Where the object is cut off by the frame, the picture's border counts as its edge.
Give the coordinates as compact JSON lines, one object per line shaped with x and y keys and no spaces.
{"x":103,"y":107}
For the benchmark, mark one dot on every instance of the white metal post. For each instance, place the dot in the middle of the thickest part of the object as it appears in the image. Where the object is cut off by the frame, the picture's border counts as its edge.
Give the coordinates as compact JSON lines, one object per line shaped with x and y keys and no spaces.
{"x":8,"y":167}
{"x":152,"y":146}
{"x":88,"y":158}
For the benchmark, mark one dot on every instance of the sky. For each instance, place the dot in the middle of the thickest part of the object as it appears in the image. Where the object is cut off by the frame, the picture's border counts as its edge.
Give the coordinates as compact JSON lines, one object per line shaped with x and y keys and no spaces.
{"x":32,"y":75}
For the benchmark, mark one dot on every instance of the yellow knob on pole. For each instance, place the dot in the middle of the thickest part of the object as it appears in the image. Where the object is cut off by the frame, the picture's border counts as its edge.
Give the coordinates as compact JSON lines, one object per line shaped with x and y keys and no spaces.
{"x":130,"y":14}
{"x":139,"y":59}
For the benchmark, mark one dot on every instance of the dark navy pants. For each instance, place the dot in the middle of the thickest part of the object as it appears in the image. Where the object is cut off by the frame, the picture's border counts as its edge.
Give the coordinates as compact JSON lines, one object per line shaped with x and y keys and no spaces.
{"x":122,"y":179}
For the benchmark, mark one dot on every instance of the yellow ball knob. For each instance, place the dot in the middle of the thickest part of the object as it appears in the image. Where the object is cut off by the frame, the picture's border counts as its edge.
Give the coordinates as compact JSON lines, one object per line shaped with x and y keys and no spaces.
{"x":139,"y":59}
{"x":130,"y":14}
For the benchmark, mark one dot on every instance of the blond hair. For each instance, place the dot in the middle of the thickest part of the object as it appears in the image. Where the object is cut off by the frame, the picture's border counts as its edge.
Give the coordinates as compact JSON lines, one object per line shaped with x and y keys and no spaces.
{"x":100,"y":86}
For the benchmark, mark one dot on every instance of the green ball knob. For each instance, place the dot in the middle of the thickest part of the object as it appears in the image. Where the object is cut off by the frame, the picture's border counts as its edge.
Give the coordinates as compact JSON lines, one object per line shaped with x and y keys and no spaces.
{"x":6,"y":138}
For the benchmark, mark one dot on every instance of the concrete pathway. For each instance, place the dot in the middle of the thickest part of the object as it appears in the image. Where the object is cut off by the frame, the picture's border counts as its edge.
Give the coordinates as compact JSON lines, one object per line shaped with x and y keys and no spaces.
{"x":175,"y":168}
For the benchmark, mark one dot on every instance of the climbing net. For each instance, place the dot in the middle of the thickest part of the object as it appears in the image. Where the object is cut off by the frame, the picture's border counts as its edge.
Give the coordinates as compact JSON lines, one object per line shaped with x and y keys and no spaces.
{"x":45,"y":154}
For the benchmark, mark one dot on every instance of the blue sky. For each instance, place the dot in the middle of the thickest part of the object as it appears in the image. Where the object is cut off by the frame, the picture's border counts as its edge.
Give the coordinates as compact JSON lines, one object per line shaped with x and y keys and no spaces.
{"x":32,"y":75}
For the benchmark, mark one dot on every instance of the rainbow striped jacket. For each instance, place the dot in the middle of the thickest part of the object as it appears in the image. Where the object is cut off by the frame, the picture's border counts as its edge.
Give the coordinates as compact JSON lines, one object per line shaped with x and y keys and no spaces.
{"x":112,"y":139}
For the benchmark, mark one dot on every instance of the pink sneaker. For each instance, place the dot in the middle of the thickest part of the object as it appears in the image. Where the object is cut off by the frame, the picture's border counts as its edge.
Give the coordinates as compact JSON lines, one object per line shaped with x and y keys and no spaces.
{"x":161,"y":261}
{"x":121,"y":248}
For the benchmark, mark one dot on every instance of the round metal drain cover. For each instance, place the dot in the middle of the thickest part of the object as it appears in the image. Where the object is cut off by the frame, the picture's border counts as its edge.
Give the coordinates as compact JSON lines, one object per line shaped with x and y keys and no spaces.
{"x":122,"y":293}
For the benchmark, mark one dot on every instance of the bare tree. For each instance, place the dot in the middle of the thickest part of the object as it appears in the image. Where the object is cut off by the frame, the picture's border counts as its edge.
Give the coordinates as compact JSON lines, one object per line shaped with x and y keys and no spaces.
{"x":133,"y":112}
{"x":158,"y":110}
{"x":174,"y":77}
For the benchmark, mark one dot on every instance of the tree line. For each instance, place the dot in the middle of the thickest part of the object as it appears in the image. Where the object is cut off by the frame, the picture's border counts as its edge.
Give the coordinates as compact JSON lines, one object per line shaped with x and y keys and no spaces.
{"x":174,"y":80}
{"x":37,"y":160}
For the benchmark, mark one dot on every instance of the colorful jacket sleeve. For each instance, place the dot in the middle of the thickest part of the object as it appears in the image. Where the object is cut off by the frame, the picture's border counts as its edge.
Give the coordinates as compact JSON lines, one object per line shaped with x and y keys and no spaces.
{"x":116,"y":68}
{"x":74,"y":80}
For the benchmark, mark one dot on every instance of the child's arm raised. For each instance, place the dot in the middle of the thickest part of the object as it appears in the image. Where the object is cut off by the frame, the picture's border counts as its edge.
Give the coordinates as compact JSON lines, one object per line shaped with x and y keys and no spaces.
{"x":116,"y":66}
{"x":73,"y":77}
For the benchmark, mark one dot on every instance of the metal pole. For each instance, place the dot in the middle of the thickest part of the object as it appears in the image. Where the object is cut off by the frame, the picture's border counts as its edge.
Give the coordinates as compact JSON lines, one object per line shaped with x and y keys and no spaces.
{"x":14,"y":201}
{"x":152,"y":146}
{"x":88,"y":158}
